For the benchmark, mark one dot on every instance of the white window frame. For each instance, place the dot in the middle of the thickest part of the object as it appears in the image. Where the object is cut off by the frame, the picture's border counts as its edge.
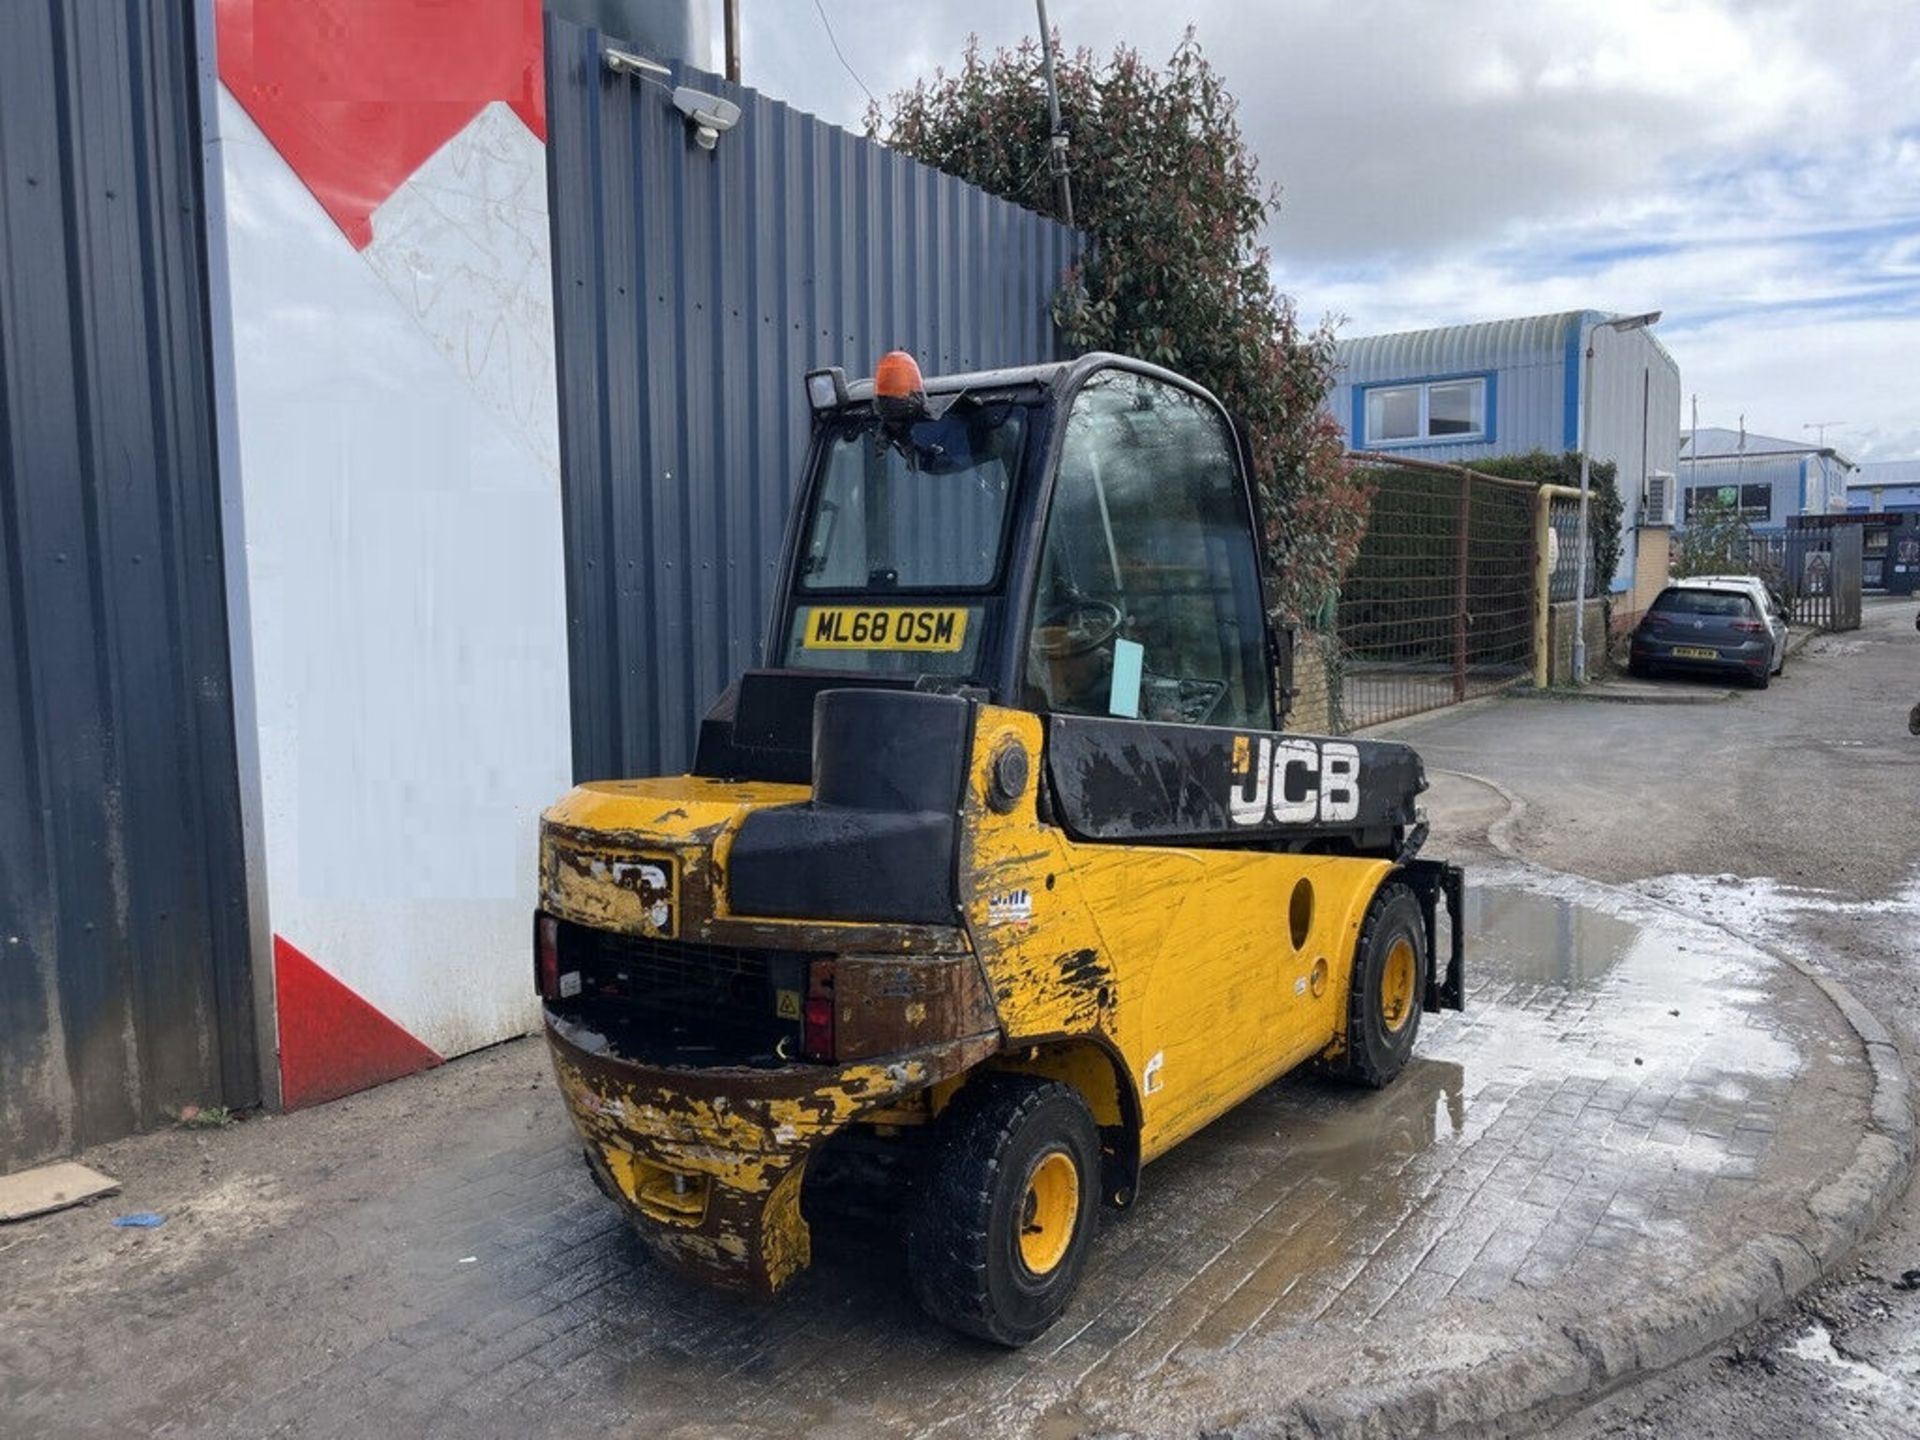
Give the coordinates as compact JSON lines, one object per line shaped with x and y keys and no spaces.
{"x":1482,"y":432}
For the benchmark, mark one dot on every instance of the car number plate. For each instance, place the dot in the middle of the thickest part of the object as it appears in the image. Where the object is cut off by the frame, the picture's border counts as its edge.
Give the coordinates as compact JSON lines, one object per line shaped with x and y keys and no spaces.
{"x":1694,"y":652}
{"x":849,"y":627}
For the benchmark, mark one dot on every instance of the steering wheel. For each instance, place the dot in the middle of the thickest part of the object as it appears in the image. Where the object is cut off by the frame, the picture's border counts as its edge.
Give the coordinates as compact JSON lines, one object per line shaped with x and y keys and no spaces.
{"x":1077,"y":625}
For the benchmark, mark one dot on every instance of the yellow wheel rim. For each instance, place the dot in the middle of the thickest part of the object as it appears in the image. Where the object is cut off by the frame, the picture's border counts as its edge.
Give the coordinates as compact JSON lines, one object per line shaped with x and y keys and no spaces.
{"x":1396,"y":986}
{"x":1048,"y":1212}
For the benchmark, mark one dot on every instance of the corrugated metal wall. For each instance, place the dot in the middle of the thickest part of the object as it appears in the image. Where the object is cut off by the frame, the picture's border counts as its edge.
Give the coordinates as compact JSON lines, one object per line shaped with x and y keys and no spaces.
{"x":1529,"y":359}
{"x":693,"y":289}
{"x":123,"y":948}
{"x":1636,"y":412}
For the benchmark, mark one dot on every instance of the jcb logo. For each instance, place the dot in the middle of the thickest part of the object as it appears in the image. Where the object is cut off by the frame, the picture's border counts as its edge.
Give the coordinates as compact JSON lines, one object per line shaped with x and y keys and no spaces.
{"x":1294,"y":781}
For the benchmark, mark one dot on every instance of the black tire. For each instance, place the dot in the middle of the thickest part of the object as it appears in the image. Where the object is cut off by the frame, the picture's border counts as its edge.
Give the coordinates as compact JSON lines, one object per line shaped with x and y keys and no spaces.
{"x":1381,"y":1027}
{"x":1639,"y":669}
{"x":1761,"y":681}
{"x":965,"y":1252}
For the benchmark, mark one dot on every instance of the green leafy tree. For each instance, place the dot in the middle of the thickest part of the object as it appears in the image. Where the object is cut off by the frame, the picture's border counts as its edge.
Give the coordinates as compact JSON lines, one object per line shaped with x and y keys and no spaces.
{"x":1171,"y":197}
{"x":1605,"y":508}
{"x":1716,"y":541}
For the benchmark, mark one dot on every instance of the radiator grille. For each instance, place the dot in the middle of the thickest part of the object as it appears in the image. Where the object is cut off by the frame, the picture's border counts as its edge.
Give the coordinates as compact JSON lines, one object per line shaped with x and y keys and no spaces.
{"x":713,"y":1003}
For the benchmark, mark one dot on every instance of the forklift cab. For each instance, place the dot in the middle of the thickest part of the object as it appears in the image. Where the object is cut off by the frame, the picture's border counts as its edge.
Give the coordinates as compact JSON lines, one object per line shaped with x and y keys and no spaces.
{"x":1070,"y":539}
{"x":1089,"y":527}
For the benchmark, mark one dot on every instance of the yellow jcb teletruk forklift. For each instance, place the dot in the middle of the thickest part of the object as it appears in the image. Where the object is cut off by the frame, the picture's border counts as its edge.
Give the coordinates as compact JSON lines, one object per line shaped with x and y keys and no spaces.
{"x":1002,"y":874}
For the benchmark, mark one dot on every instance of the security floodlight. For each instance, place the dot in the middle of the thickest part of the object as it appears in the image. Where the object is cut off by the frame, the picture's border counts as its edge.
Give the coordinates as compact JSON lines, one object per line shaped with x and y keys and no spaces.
{"x":709,"y":115}
{"x":1627,"y":322}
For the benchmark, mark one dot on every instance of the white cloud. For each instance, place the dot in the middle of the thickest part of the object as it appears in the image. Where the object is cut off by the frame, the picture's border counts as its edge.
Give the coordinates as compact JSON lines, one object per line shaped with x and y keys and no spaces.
{"x":1751,"y":167}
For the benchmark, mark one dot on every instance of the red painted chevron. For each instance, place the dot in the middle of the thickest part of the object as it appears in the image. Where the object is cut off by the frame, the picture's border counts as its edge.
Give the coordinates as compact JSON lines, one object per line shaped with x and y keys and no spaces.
{"x":356,"y":94}
{"x":332,"y":1041}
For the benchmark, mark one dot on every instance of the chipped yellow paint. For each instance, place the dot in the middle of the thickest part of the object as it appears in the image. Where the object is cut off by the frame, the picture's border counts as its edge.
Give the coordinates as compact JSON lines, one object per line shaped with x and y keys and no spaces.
{"x":668,"y":809}
{"x":742,"y":1144}
{"x":1174,"y":957}
{"x":739,"y":1155}
{"x":1158,"y":980}
{"x":786,"y":1244}
{"x":591,"y":838}
{"x":595,"y":840}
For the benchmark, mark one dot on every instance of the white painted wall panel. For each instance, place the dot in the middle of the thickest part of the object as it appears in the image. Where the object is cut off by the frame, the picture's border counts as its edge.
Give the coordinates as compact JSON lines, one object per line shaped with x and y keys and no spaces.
{"x":398,"y":463}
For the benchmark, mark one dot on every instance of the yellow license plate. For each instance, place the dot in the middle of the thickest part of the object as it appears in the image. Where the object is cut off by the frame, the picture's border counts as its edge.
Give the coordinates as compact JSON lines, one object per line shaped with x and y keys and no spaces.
{"x":893,"y":627}
{"x":1694,"y":652}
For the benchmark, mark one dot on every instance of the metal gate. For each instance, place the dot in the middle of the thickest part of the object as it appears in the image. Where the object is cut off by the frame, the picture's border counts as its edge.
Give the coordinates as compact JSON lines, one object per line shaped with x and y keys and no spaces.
{"x":693,"y":288}
{"x":1816,"y":570}
{"x":1439,"y":605}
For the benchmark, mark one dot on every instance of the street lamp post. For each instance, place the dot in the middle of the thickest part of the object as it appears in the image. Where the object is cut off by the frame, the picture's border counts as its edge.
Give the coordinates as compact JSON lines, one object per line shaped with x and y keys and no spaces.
{"x":1580,"y":545}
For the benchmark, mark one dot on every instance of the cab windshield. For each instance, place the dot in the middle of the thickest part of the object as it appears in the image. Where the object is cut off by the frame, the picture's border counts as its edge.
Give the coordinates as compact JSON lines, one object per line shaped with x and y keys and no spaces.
{"x":915,"y":509}
{"x":904,"y":540}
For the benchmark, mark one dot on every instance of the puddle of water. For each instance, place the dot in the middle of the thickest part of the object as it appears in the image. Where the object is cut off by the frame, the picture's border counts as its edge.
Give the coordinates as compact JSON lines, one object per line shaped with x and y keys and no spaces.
{"x":1856,"y":1377}
{"x":1545,"y":938}
{"x":1424,"y":1107}
{"x":1589,"y":978}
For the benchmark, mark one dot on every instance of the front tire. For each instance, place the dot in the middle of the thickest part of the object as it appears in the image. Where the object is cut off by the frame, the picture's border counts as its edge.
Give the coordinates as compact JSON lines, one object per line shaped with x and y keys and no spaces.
{"x":1001,"y":1227}
{"x":1390,"y":969}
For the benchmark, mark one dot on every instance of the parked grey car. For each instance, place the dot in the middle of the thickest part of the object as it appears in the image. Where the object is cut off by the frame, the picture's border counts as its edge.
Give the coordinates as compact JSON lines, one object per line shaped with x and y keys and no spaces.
{"x":1770,"y":607}
{"x":1711,"y":625}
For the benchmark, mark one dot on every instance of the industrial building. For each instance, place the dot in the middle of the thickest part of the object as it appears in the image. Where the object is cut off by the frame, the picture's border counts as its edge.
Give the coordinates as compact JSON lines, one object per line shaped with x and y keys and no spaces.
{"x":1506,"y":387}
{"x":1886,"y":494}
{"x":1881,"y":485}
{"x":1768,"y":480}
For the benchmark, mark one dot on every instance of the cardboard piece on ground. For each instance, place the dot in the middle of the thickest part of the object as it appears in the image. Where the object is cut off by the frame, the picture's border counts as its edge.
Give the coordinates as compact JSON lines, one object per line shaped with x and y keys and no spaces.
{"x":51,"y":1187}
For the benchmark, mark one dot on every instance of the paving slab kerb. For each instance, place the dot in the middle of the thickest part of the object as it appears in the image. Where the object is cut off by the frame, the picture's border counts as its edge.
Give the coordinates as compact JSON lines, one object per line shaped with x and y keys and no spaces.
{"x":1641,"y":1134}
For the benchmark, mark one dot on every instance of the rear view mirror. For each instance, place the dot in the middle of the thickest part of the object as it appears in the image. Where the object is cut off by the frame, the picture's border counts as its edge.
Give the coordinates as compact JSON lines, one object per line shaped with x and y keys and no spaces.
{"x":1280,"y":639}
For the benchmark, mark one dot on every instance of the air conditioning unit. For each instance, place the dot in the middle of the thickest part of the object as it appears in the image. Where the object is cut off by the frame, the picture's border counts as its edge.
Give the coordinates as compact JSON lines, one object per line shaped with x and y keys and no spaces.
{"x":1656,"y":506}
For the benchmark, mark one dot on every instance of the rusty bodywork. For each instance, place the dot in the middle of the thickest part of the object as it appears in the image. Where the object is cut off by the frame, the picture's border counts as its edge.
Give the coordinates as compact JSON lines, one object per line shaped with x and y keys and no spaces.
{"x":923,"y":879}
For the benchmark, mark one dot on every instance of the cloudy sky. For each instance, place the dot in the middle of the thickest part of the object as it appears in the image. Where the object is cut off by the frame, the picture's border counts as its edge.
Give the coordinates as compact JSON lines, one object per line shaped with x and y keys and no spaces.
{"x":1752,"y":169}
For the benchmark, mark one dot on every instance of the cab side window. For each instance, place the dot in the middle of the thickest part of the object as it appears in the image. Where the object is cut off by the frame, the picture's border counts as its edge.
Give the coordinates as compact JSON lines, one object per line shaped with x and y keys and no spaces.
{"x":1148,"y":602}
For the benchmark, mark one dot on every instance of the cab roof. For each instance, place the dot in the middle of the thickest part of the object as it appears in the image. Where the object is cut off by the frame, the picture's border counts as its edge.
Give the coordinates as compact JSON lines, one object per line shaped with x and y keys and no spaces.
{"x":1056,"y":374}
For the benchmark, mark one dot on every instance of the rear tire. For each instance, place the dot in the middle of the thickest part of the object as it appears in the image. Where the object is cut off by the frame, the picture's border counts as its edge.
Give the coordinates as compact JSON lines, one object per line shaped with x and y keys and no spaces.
{"x":1390,"y":968}
{"x":1761,"y":681}
{"x":1001,"y":1227}
{"x":1639,"y":669}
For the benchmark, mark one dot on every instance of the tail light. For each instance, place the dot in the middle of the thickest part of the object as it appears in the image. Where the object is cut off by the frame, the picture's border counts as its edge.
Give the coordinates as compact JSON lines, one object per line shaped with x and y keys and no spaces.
{"x":1653,"y":621}
{"x":546,"y":956}
{"x":1750,"y":627}
{"x":816,"y":1013}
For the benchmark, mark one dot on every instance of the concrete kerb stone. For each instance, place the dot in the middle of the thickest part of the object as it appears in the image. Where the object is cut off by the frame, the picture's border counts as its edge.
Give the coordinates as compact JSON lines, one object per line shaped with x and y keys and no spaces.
{"x":1606,"y":1352}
